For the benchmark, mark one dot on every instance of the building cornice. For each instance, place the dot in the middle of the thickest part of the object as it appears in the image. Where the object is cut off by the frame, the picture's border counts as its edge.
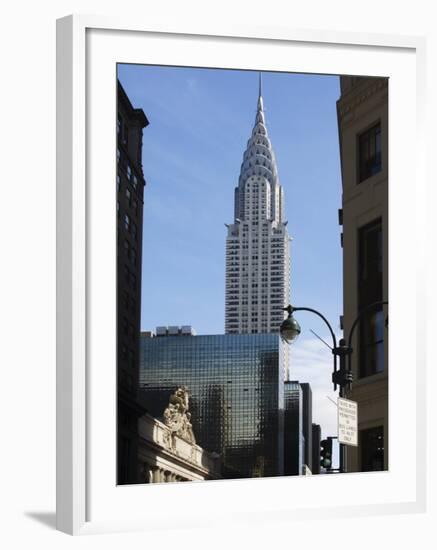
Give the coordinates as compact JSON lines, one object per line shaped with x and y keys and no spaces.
{"x":359,"y":94}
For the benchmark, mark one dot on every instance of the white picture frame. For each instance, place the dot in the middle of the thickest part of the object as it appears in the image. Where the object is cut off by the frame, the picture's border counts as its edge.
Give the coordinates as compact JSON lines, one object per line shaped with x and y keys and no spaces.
{"x":87,"y":498}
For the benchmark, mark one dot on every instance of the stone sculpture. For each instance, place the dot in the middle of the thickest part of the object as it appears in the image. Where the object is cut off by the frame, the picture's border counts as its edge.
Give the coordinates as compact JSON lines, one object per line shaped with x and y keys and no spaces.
{"x":177,"y":417}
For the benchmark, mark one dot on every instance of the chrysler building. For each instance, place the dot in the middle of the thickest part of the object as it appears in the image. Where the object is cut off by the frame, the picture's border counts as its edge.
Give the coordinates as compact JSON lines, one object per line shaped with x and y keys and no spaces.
{"x":257,"y":244}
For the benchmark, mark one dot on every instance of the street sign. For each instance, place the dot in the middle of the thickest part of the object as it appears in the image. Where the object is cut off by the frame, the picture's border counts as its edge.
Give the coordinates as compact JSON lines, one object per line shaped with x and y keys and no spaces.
{"x":347,"y":421}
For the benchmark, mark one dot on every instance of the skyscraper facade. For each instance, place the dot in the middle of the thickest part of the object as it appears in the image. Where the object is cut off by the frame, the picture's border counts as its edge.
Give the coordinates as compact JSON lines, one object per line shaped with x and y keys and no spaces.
{"x":294,"y":441}
{"x":257,"y":244}
{"x":236,"y":391}
{"x":307,"y":414}
{"x":317,"y":437}
{"x":130,"y":189}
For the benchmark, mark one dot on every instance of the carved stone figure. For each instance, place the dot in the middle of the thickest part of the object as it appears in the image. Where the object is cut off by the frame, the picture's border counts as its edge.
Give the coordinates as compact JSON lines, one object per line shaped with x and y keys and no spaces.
{"x":177,"y":417}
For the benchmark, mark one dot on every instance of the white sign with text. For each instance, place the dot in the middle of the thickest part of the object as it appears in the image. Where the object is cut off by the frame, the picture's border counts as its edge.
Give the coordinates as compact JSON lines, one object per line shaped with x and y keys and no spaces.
{"x":347,"y":421}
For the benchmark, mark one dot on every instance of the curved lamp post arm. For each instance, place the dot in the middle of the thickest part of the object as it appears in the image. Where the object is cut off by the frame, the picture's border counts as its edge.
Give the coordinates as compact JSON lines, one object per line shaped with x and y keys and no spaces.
{"x":338,"y":377}
{"x":291,"y":309}
{"x":358,"y":319}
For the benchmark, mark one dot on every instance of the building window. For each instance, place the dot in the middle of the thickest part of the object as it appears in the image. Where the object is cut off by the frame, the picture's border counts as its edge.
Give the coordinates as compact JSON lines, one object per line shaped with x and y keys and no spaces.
{"x":372,"y":449}
{"x":372,"y":344}
{"x":369,"y":153}
{"x":371,"y":328}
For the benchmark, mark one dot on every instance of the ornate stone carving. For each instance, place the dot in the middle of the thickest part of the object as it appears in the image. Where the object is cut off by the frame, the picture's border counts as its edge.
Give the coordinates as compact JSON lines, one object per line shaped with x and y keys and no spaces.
{"x":346,"y":105}
{"x":168,"y":441}
{"x":177,"y":417}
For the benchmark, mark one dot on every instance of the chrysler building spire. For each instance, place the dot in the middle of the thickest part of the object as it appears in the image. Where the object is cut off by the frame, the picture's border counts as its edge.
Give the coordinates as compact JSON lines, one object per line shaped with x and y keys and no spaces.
{"x":259,"y":160}
{"x":257,"y":245}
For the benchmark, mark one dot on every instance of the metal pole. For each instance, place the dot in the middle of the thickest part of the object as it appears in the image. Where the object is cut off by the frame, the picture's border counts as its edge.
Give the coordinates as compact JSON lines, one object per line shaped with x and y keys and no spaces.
{"x":343,"y":352}
{"x":343,"y":456}
{"x":341,"y":394}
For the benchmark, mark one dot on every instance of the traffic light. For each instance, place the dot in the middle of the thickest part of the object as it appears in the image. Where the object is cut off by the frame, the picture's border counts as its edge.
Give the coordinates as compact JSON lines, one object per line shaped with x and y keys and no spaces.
{"x":326,"y":453}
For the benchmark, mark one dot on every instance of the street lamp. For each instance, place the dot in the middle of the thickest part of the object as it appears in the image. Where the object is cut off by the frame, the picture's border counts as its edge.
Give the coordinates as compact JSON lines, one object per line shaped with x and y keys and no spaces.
{"x":342,"y":375}
{"x":290,"y":328}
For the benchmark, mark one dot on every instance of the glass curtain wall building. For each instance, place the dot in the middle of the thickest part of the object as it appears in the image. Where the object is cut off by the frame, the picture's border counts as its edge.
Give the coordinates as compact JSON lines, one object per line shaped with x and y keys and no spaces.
{"x":236,"y":386}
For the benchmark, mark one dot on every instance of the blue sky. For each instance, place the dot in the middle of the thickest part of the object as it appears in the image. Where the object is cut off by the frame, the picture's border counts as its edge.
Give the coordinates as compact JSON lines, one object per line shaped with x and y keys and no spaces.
{"x":200,"y":121}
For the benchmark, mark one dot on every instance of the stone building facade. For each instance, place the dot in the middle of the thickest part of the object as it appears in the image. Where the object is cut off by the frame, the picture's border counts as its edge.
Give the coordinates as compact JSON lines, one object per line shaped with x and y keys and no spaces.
{"x":167,"y":450}
{"x":362,"y":111}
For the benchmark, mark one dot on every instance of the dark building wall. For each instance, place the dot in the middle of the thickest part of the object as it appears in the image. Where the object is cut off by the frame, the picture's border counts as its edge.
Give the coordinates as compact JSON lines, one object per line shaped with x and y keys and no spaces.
{"x":307,"y":413}
{"x":129,"y":197}
{"x":293,"y":436}
{"x":317,"y":436}
{"x":236,"y":386}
